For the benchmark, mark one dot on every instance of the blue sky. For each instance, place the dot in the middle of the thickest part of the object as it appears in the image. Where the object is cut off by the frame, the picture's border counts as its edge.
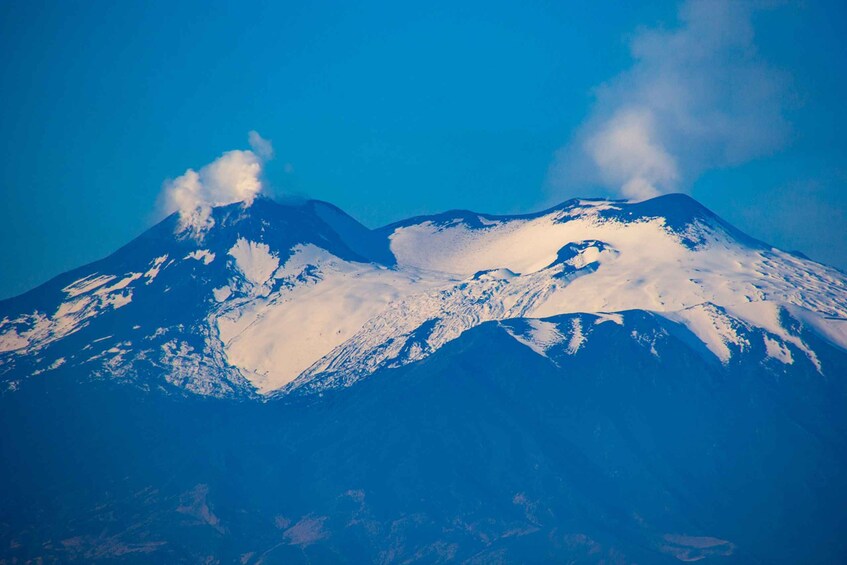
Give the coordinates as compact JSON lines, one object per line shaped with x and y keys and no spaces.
{"x":391,"y":110}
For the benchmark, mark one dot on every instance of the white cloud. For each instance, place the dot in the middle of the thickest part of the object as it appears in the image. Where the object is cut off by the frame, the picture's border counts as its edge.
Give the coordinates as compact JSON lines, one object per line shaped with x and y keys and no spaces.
{"x":235,"y":176}
{"x":260,"y":146}
{"x":696,"y":97}
{"x":628,"y":155}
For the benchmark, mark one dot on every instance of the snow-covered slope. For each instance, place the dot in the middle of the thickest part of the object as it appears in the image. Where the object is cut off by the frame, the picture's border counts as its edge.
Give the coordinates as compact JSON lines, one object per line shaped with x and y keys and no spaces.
{"x":279,"y":298}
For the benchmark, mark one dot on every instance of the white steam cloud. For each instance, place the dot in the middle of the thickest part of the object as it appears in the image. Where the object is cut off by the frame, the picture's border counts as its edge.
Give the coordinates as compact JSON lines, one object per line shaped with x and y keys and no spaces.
{"x":260,"y":146}
{"x":235,"y":176}
{"x":697,"y":97}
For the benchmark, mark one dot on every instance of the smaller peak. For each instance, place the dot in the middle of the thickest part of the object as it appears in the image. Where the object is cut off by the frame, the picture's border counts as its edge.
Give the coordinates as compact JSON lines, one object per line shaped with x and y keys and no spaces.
{"x":502,"y":273}
{"x":677,"y":208}
{"x":581,"y":203}
{"x":263,"y":207}
{"x":681,"y":212}
{"x":317,"y":204}
{"x":675,"y":197}
{"x":467,"y":217}
{"x":268,"y":202}
{"x":592,"y":201}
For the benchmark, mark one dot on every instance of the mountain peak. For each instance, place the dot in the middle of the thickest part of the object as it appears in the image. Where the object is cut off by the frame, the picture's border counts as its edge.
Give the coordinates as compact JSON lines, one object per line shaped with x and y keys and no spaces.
{"x":280,"y":297}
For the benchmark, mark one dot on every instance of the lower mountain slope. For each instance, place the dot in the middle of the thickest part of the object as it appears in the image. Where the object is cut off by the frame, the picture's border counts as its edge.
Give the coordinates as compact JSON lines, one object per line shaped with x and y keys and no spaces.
{"x":523,"y":440}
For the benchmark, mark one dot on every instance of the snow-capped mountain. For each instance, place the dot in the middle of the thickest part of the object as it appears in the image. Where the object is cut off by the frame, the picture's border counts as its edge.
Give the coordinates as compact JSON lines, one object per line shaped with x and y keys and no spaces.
{"x":277,"y":298}
{"x":600,"y":382}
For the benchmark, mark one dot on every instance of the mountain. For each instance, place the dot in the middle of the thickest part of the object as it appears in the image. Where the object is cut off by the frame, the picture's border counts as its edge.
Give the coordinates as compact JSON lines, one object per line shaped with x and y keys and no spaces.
{"x":602,"y":381}
{"x":276,"y":299}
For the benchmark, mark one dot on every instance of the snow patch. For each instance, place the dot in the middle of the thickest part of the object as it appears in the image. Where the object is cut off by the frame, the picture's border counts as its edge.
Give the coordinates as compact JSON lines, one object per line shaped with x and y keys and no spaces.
{"x":87,"y":284}
{"x":11,"y":340}
{"x":203,"y":255}
{"x":778,"y":351}
{"x":832,"y":327}
{"x":577,"y":337}
{"x":540,"y":335}
{"x":222,"y":293}
{"x":766,"y":315}
{"x":254,"y":260}
{"x":88,"y":298}
{"x":155,"y":267}
{"x":713,"y":327}
{"x":120,"y":285}
{"x":603,"y":317}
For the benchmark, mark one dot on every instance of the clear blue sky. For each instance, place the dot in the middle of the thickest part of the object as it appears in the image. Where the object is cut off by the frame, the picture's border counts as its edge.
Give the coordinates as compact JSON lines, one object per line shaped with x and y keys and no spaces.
{"x":385,"y":109}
